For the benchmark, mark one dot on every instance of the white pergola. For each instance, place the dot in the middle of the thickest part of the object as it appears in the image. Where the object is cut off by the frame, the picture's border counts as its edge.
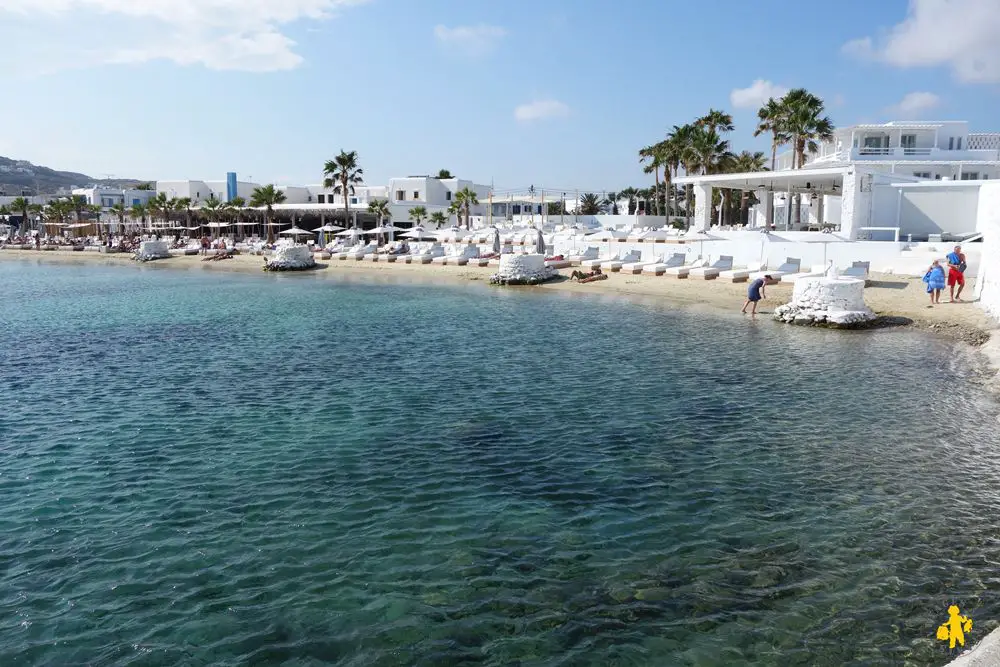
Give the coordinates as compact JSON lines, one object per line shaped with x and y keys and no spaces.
{"x":844,"y":182}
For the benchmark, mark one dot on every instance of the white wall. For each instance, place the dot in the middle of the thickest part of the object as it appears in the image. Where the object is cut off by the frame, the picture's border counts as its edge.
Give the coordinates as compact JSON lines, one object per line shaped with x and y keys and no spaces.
{"x":988,"y":223}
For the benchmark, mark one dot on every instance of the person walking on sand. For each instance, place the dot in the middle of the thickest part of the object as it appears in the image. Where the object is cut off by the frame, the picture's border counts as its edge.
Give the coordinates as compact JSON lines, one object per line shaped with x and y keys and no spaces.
{"x":956,"y":273}
{"x":755,"y":292}
{"x":935,"y":282}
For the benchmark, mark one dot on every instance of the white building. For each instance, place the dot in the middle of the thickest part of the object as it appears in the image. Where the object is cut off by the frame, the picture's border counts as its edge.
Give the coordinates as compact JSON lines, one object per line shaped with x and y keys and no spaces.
{"x":936,"y":150}
{"x":106,"y":197}
{"x":199,"y":191}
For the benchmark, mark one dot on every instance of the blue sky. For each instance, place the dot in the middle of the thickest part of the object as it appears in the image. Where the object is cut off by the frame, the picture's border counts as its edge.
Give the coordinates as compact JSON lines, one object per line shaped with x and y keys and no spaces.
{"x":271,"y":88}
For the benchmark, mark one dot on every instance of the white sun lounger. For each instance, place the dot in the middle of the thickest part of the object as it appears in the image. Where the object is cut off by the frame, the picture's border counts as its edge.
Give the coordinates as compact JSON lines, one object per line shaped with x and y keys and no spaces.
{"x":858,"y":270}
{"x":616,"y":265}
{"x":724,"y":263}
{"x":636,"y":267}
{"x":676,"y":259}
{"x":791,"y":265}
{"x":815,"y":271}
{"x":343,"y":254}
{"x":740,"y":275}
{"x":683,"y":271}
{"x":590,"y":253}
{"x":596,"y":263}
{"x":360,"y":254}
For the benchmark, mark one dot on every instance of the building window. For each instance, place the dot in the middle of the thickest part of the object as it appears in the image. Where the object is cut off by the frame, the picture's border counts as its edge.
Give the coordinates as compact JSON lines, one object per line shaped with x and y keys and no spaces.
{"x":951,"y":143}
{"x":416,"y":195}
{"x":321,"y":199}
{"x":400,"y":195}
{"x":970,"y":176}
{"x":516,"y":209}
{"x":922,"y":174}
{"x":135,"y":202}
{"x":960,"y":143}
{"x":447,"y":195}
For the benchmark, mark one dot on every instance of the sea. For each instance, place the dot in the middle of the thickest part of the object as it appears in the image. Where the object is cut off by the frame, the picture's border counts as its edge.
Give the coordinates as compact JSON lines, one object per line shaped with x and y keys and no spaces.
{"x":210,"y":468}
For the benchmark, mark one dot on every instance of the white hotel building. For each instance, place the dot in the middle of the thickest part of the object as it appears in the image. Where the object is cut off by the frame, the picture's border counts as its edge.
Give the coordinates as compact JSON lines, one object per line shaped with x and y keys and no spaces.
{"x":937,"y":150}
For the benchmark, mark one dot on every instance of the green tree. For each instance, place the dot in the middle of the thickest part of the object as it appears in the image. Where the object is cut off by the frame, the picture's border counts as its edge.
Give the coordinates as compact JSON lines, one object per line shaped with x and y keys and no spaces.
{"x":78,"y":204}
{"x":236,"y":205}
{"x":655,"y":157}
{"x":184,"y":204}
{"x":266,"y":197}
{"x":21,"y":205}
{"x":590,"y":204}
{"x":139,"y":212}
{"x":716,"y":121}
{"x":770,"y":118}
{"x":145,"y":186}
{"x":610,"y":202}
{"x":342,"y":173}
{"x":213,"y":208}
{"x":556,"y":208}
{"x":742,"y":163}
{"x":629,"y":195}
{"x":444,"y":174}
{"x":417,"y":213}
{"x":466,"y":198}
{"x":380,"y":209}
{"x":439,"y":218}
{"x":805,"y":125}
{"x":163,"y":206}
{"x":454,"y":209}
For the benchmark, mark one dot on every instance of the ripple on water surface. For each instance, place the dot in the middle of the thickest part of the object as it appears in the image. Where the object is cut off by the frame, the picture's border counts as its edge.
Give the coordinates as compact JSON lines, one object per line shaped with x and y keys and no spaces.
{"x":231,"y":470}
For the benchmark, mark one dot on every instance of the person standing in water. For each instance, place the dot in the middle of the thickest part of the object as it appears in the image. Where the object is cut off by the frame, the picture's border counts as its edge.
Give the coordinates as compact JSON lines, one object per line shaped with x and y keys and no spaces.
{"x":956,"y":273}
{"x":755,"y":292}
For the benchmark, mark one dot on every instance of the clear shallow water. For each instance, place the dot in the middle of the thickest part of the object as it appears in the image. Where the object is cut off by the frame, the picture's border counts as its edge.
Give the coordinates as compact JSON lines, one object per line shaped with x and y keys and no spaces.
{"x":283,"y":470}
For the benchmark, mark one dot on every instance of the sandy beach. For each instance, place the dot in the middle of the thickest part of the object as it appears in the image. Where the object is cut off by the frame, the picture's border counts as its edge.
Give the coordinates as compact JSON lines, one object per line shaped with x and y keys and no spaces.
{"x":888,"y":295}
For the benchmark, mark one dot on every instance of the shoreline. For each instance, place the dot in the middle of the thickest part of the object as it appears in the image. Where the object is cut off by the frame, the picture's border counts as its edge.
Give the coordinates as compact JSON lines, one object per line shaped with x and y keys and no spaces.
{"x":890,"y":296}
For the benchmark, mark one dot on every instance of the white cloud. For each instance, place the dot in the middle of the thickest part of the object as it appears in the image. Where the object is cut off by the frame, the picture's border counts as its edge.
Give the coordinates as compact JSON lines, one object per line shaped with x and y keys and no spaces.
{"x":472,"y":40}
{"x":219,"y":34}
{"x":914,"y":104}
{"x":540,"y":110}
{"x":753,"y":97}
{"x":959,"y":34}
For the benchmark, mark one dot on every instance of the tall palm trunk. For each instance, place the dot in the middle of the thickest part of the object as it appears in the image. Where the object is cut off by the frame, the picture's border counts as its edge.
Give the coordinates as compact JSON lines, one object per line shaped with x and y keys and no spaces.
{"x":347,"y":206}
{"x":656,"y":193}
{"x":774,"y":151}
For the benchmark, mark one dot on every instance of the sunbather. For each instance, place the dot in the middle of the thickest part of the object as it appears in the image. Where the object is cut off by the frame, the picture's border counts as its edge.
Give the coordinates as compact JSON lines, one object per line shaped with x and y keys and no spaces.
{"x":583,"y":275}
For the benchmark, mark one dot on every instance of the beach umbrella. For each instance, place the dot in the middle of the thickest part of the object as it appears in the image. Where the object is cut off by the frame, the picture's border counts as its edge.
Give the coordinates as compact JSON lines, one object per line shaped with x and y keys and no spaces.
{"x":496,"y":240}
{"x":608,"y":235}
{"x":296,"y":231}
{"x":540,"y":243}
{"x":653,"y":235}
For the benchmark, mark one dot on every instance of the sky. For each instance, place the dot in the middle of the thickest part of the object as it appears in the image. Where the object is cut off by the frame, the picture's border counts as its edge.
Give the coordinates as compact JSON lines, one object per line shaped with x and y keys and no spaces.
{"x":559,"y":94}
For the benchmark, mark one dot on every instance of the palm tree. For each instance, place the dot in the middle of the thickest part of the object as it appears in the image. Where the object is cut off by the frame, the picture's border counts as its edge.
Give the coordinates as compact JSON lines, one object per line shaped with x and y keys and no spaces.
{"x":628,"y":194}
{"x":236,"y":205}
{"x":611,"y":202}
{"x":656,"y":155}
{"x":438,"y":218}
{"x":213,"y":208}
{"x":380,"y":209}
{"x":342,"y":173}
{"x":455,"y":209}
{"x":466,"y":198}
{"x":119,"y":211}
{"x":444,"y":174}
{"x":804,"y":123}
{"x":163,"y":206}
{"x":139,"y":211}
{"x":770,"y":118}
{"x":35,"y":211}
{"x":184,"y":203}
{"x":590,"y":204}
{"x":267,"y":196}
{"x":743,"y":163}
{"x":78,"y":203}
{"x":717,"y":121}
{"x":417,"y":213}
{"x":21,"y":204}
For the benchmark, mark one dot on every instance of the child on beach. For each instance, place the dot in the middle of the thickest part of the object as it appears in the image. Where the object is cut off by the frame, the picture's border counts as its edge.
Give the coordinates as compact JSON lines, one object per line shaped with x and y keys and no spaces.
{"x":935,"y":282}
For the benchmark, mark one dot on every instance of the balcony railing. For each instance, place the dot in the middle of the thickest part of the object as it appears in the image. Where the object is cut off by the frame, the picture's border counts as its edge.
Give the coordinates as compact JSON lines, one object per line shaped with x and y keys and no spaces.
{"x":871,"y":150}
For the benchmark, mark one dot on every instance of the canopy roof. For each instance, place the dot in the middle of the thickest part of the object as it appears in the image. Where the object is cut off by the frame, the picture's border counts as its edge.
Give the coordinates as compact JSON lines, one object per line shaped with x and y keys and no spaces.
{"x":824,"y":181}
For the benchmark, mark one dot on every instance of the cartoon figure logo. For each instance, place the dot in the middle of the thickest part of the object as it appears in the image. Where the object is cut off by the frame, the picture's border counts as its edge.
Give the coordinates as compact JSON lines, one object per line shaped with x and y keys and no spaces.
{"x":954,"y":629}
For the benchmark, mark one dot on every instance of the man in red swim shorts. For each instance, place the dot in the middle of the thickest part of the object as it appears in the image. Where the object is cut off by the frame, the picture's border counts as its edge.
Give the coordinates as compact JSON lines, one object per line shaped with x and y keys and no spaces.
{"x":956,"y":273}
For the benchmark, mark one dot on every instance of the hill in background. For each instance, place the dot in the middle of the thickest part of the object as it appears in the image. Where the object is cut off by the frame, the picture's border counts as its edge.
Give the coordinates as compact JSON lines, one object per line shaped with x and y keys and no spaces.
{"x":21,"y":177}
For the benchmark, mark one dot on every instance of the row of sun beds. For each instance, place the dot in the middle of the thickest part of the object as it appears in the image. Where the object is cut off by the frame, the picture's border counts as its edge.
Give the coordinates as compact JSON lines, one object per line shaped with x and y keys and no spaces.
{"x":678,"y":266}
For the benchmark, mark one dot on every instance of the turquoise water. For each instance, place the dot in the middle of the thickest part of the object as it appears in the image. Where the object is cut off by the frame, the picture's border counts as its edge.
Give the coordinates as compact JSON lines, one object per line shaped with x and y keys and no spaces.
{"x":220,"y":469}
